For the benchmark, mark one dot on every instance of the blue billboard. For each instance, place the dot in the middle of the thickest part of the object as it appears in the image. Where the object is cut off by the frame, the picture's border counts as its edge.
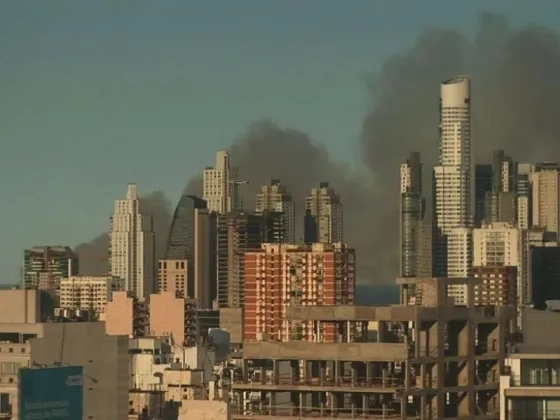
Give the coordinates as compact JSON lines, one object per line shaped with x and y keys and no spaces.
{"x":54,"y":393}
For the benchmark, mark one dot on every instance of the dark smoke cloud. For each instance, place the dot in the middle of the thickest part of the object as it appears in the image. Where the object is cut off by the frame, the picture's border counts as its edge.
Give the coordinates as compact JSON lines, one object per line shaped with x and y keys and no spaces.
{"x":516,"y":91}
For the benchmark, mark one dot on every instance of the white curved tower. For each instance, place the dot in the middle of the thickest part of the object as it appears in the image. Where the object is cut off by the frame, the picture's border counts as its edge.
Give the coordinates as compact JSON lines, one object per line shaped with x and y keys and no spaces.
{"x":454,"y":180}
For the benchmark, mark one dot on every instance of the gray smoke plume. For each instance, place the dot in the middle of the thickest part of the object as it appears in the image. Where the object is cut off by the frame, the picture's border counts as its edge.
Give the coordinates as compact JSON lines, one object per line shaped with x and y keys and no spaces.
{"x":516,"y":91}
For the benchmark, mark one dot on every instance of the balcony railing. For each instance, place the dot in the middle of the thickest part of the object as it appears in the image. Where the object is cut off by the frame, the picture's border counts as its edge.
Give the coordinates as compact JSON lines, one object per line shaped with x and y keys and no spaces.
{"x":328,"y":381}
{"x":543,"y":381}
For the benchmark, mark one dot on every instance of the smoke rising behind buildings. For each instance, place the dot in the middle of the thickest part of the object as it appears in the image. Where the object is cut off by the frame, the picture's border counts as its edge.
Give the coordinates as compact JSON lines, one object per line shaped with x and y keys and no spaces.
{"x":516,"y":92}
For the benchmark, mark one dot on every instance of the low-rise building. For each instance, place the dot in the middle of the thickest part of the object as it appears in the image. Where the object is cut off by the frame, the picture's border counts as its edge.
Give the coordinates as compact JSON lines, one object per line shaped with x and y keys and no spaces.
{"x":89,"y":292}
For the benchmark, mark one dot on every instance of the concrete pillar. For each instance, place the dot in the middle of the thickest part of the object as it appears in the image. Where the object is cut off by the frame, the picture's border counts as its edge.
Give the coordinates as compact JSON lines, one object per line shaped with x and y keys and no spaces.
{"x":294,"y":371}
{"x":348,"y":335}
{"x":272,"y":402}
{"x":301,"y":402}
{"x":365,"y":404}
{"x":318,"y":339}
{"x":275,"y":371}
{"x":337,"y":371}
{"x":334,"y":404}
{"x":368,"y":373}
{"x":305,"y":371}
{"x":354,"y":373}
{"x":385,"y":378}
{"x":263,"y":375}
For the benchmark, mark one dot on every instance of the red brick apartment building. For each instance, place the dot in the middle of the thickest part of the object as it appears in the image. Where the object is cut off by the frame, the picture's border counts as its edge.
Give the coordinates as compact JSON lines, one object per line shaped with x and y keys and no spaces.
{"x":280,"y":275}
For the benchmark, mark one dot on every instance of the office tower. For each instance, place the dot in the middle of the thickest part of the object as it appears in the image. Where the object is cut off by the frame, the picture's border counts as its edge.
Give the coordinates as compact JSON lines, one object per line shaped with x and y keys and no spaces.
{"x":188,"y":268}
{"x":523,"y":204}
{"x":88,"y":292}
{"x":45,"y":266}
{"x":454,"y":181}
{"x":278,"y":276}
{"x":221,"y":186}
{"x":323,"y":215}
{"x":237,"y":233}
{"x":412,"y":210}
{"x":132,"y":246}
{"x":545,"y":182}
{"x":275,"y":197}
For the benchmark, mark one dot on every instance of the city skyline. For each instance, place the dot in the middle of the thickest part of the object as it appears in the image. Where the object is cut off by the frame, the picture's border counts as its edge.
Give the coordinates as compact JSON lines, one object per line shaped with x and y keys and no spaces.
{"x":108,"y":122}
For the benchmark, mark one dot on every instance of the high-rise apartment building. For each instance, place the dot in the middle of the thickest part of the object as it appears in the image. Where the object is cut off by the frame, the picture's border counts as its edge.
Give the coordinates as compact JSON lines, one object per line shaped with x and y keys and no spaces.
{"x":274,"y":197}
{"x":454,"y":192}
{"x":323,"y":215}
{"x":453,"y":177}
{"x":278,"y":276}
{"x":89,"y":292}
{"x":496,"y":245}
{"x":132,"y":245}
{"x":545,"y":182}
{"x":221,"y":185}
{"x":237,"y":233}
{"x":412,"y":212}
{"x":501,"y":244}
{"x":189,"y":265}
{"x":45,"y":266}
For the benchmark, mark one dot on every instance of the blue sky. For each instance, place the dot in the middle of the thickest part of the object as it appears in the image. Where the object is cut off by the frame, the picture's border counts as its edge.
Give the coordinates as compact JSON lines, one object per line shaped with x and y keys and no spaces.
{"x":96,"y":94}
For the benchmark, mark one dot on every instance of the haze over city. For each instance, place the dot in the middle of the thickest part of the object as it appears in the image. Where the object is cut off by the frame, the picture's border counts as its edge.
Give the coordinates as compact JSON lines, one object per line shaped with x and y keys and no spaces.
{"x":95,"y":95}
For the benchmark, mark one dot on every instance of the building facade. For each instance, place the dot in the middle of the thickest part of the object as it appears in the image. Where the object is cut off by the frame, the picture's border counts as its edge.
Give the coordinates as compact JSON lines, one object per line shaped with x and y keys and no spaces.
{"x":412,"y":212}
{"x":237,"y":233}
{"x":220,"y":184}
{"x":89,"y":292}
{"x":323,"y":215}
{"x":274,"y":197}
{"x":45,"y":266}
{"x":279,"y":276}
{"x":132,"y":246}
{"x":189,"y":266}
{"x":545,"y":185}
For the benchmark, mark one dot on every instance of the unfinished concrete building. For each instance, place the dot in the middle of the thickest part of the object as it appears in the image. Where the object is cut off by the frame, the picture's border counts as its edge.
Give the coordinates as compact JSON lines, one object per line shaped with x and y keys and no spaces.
{"x":428,"y":360}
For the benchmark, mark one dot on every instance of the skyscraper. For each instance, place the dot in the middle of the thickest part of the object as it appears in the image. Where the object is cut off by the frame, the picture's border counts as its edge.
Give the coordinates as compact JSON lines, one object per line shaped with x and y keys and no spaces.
{"x":189,"y":265}
{"x":132,"y":247}
{"x":221,"y":185}
{"x":412,"y":209}
{"x":454,"y":181}
{"x":274,"y":197}
{"x":323,"y":215}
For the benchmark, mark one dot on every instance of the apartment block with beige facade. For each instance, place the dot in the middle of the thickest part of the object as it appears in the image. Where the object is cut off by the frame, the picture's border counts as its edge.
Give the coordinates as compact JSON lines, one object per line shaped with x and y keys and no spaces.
{"x":89,"y":292}
{"x":279,"y":276}
{"x":545,"y":183}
